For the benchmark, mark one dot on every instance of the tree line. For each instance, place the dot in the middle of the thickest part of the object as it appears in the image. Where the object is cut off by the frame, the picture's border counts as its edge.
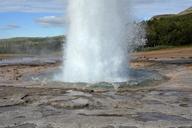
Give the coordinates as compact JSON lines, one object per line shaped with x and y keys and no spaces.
{"x":173,"y":30}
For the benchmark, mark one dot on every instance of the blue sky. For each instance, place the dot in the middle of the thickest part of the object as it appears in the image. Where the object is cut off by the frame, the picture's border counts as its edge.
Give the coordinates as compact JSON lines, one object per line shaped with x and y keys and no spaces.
{"x":19,"y":24}
{"x":21,"y":18}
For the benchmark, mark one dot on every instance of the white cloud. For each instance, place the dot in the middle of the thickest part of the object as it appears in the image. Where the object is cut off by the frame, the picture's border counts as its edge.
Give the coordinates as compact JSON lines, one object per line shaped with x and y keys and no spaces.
{"x":56,"y":6}
{"x":9,"y":27}
{"x":51,"y":21}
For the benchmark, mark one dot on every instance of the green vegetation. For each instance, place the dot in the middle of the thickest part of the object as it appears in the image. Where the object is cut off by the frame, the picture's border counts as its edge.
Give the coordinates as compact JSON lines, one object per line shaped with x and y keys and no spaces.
{"x":170,"y":30}
{"x":32,"y":45}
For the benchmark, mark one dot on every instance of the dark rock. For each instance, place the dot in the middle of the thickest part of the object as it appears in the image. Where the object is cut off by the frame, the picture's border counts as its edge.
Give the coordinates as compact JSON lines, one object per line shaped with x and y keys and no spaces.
{"x":184,"y":105}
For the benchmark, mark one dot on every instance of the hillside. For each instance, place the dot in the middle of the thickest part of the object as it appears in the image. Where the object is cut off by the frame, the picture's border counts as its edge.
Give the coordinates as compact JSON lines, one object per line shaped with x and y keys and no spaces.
{"x":187,"y":11}
{"x":31,"y":45}
{"x":170,"y":30}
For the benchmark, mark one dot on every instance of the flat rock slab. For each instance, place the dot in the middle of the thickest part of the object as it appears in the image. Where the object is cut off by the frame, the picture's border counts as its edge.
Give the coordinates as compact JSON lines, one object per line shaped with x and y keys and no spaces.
{"x":31,"y":61}
{"x":71,"y":104}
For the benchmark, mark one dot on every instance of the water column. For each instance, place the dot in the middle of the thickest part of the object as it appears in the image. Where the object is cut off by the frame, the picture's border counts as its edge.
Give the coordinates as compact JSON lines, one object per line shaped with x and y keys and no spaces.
{"x":97,"y":42}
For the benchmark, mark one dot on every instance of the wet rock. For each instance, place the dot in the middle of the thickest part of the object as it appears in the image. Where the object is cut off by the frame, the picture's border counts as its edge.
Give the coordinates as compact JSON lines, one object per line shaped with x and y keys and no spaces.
{"x":8,"y":108}
{"x":20,"y":117}
{"x":156,"y":102}
{"x":109,"y":126}
{"x":102,"y":114}
{"x":78,"y":103}
{"x":185,"y":127}
{"x":127,"y":127}
{"x":184,"y":105}
{"x":12,"y":101}
{"x":48,"y":126}
{"x":155,"y":116}
{"x":47,"y":111}
{"x":77,"y":93}
{"x":27,"y":125}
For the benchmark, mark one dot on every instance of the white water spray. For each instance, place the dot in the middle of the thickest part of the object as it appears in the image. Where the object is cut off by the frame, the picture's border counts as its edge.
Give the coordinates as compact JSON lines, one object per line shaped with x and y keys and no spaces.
{"x":97,"y":45}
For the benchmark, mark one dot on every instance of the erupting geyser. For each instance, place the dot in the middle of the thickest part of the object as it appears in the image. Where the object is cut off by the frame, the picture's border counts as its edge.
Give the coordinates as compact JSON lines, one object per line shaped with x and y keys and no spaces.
{"x":97,"y":45}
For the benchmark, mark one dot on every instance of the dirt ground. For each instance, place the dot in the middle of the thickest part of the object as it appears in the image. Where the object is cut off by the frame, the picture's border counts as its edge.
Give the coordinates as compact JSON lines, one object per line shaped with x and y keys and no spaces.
{"x":173,"y":53}
{"x":36,"y":103}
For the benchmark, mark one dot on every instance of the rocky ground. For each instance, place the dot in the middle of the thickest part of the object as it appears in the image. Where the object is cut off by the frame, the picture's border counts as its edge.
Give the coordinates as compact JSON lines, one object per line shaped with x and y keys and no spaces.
{"x":36,"y":103}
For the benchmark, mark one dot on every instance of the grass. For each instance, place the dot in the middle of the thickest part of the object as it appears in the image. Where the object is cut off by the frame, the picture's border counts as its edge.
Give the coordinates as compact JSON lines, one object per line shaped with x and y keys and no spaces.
{"x":163,"y":47}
